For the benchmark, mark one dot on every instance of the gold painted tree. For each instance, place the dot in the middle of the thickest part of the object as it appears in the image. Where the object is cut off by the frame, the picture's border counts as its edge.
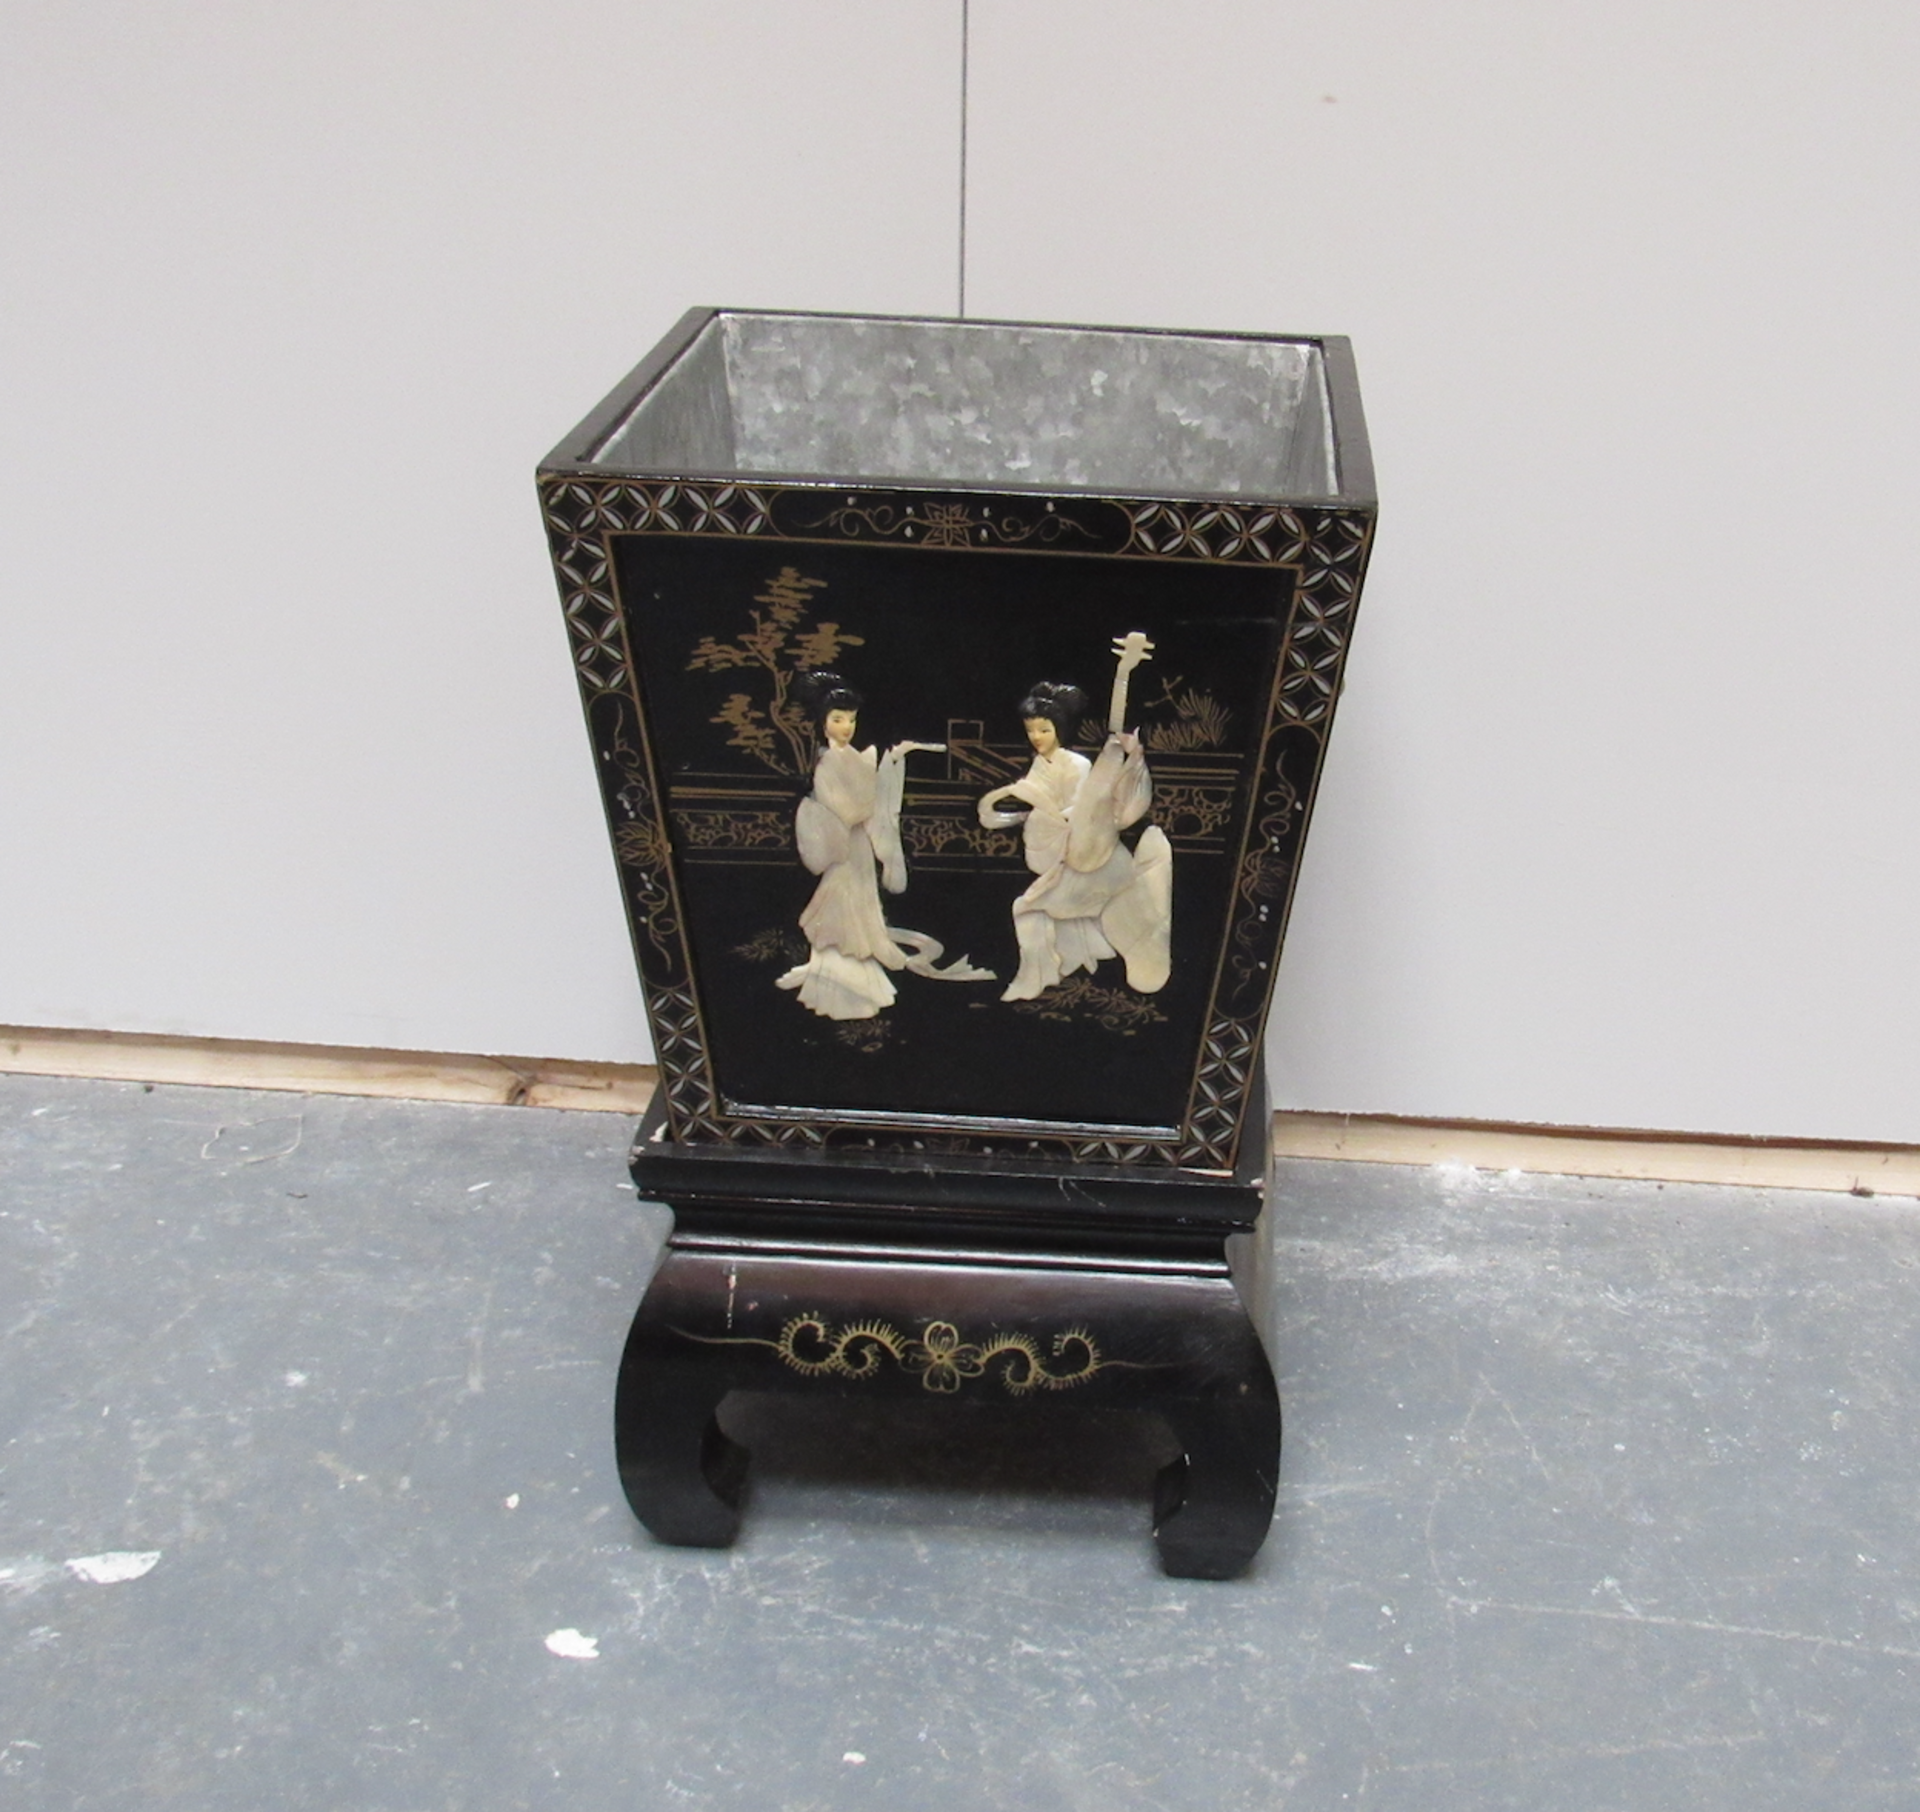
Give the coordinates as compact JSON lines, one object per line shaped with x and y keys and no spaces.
{"x":773,"y":727}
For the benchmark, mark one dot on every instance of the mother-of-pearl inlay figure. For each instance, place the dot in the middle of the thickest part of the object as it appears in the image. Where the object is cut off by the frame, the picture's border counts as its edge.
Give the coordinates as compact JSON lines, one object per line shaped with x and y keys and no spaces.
{"x":848,"y":833}
{"x":1094,"y":897}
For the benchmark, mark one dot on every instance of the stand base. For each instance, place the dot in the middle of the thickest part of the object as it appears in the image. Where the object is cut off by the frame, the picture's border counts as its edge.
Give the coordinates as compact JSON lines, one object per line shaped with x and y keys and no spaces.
{"x":1131,"y":1302}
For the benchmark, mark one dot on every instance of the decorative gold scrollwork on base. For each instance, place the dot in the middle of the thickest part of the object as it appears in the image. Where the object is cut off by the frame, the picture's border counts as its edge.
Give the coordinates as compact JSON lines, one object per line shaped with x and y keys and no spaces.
{"x":815,"y":1348}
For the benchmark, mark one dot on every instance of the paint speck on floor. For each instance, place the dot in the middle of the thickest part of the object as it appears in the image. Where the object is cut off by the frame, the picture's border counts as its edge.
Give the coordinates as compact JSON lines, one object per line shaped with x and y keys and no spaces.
{"x":570,"y":1645}
{"x":113,"y":1569}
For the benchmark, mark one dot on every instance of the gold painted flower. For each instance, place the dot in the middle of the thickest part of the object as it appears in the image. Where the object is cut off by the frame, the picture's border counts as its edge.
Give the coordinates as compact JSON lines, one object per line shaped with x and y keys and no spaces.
{"x":939,"y":1355}
{"x":947,"y":525}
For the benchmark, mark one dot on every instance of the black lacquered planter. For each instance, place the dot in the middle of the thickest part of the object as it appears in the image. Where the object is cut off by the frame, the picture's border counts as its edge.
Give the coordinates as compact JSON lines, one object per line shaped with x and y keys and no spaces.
{"x":959,"y":1099}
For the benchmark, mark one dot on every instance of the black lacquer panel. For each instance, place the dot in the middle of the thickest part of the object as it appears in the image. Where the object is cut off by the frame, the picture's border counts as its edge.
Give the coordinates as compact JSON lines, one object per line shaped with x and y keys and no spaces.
{"x":943,"y":644}
{"x":1251,"y":605}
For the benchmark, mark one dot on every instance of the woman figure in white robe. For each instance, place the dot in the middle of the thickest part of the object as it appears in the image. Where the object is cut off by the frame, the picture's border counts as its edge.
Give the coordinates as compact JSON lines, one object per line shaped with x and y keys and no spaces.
{"x":848,"y":833}
{"x":1094,"y":898}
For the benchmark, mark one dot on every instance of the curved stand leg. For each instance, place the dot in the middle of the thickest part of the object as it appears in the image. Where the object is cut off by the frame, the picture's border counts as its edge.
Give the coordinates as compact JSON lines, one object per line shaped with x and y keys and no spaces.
{"x":682,"y":1475}
{"x":1212,"y":1506}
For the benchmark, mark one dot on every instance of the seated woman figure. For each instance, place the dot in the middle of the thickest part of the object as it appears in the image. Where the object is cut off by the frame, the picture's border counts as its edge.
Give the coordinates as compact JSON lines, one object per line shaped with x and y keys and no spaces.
{"x":1094,"y":897}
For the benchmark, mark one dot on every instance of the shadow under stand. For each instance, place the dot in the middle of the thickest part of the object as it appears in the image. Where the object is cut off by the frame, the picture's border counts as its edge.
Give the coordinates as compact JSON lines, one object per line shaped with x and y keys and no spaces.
{"x":953,"y":1282}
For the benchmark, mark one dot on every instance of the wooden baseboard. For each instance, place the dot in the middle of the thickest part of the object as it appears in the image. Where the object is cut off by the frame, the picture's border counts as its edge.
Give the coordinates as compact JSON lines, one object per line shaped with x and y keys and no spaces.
{"x":1662,"y":1157}
{"x":615,"y":1088}
{"x":625,"y":1088}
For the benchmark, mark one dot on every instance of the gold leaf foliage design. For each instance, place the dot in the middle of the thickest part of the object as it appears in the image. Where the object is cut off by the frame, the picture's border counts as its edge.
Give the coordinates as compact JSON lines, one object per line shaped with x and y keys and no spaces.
{"x":1080,"y":997}
{"x":773,"y":946}
{"x":778,"y":644}
{"x":580,"y":514}
{"x":811,"y":1345}
{"x":1200,"y":721}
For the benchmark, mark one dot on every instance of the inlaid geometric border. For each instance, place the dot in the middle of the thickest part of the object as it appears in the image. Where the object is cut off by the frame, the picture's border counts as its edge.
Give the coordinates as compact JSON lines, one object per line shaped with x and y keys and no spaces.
{"x":1324,"y":549}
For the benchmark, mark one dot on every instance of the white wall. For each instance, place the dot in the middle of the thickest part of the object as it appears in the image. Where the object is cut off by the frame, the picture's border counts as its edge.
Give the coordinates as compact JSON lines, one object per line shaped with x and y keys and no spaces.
{"x":1617,"y":827}
{"x":300,"y":290}
{"x":1620,"y":822}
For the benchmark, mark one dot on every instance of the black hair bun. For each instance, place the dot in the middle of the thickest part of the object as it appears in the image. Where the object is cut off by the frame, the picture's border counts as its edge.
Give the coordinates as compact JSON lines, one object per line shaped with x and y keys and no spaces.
{"x":1060,"y":704}
{"x":819,"y":691}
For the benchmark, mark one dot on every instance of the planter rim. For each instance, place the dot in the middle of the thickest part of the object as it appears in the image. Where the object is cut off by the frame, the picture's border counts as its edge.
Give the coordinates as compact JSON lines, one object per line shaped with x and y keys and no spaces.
{"x":1352,"y":486}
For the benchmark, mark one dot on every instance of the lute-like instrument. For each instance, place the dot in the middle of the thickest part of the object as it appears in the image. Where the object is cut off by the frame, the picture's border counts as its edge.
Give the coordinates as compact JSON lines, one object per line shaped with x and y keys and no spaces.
{"x":1131,"y":648}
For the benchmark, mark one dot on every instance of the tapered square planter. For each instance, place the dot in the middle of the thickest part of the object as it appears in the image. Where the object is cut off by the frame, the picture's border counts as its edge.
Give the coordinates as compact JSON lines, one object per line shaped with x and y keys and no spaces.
{"x":958,"y":693}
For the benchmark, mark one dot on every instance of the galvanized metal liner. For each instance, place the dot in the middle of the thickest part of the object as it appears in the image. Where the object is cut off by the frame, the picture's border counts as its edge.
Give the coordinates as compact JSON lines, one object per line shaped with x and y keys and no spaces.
{"x":951,"y":402}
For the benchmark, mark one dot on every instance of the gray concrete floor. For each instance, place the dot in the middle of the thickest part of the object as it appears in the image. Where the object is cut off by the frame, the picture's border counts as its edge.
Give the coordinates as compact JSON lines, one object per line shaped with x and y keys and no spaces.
{"x":1594,"y":1496}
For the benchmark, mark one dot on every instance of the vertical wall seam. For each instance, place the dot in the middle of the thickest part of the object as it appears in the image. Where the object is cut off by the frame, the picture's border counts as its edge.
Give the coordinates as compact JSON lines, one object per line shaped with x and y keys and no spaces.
{"x":966,"y":8}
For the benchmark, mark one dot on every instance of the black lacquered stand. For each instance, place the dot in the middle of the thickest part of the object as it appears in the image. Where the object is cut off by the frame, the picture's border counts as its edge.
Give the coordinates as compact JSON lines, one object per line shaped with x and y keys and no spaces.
{"x":794,"y":550}
{"x":953,"y":1281}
